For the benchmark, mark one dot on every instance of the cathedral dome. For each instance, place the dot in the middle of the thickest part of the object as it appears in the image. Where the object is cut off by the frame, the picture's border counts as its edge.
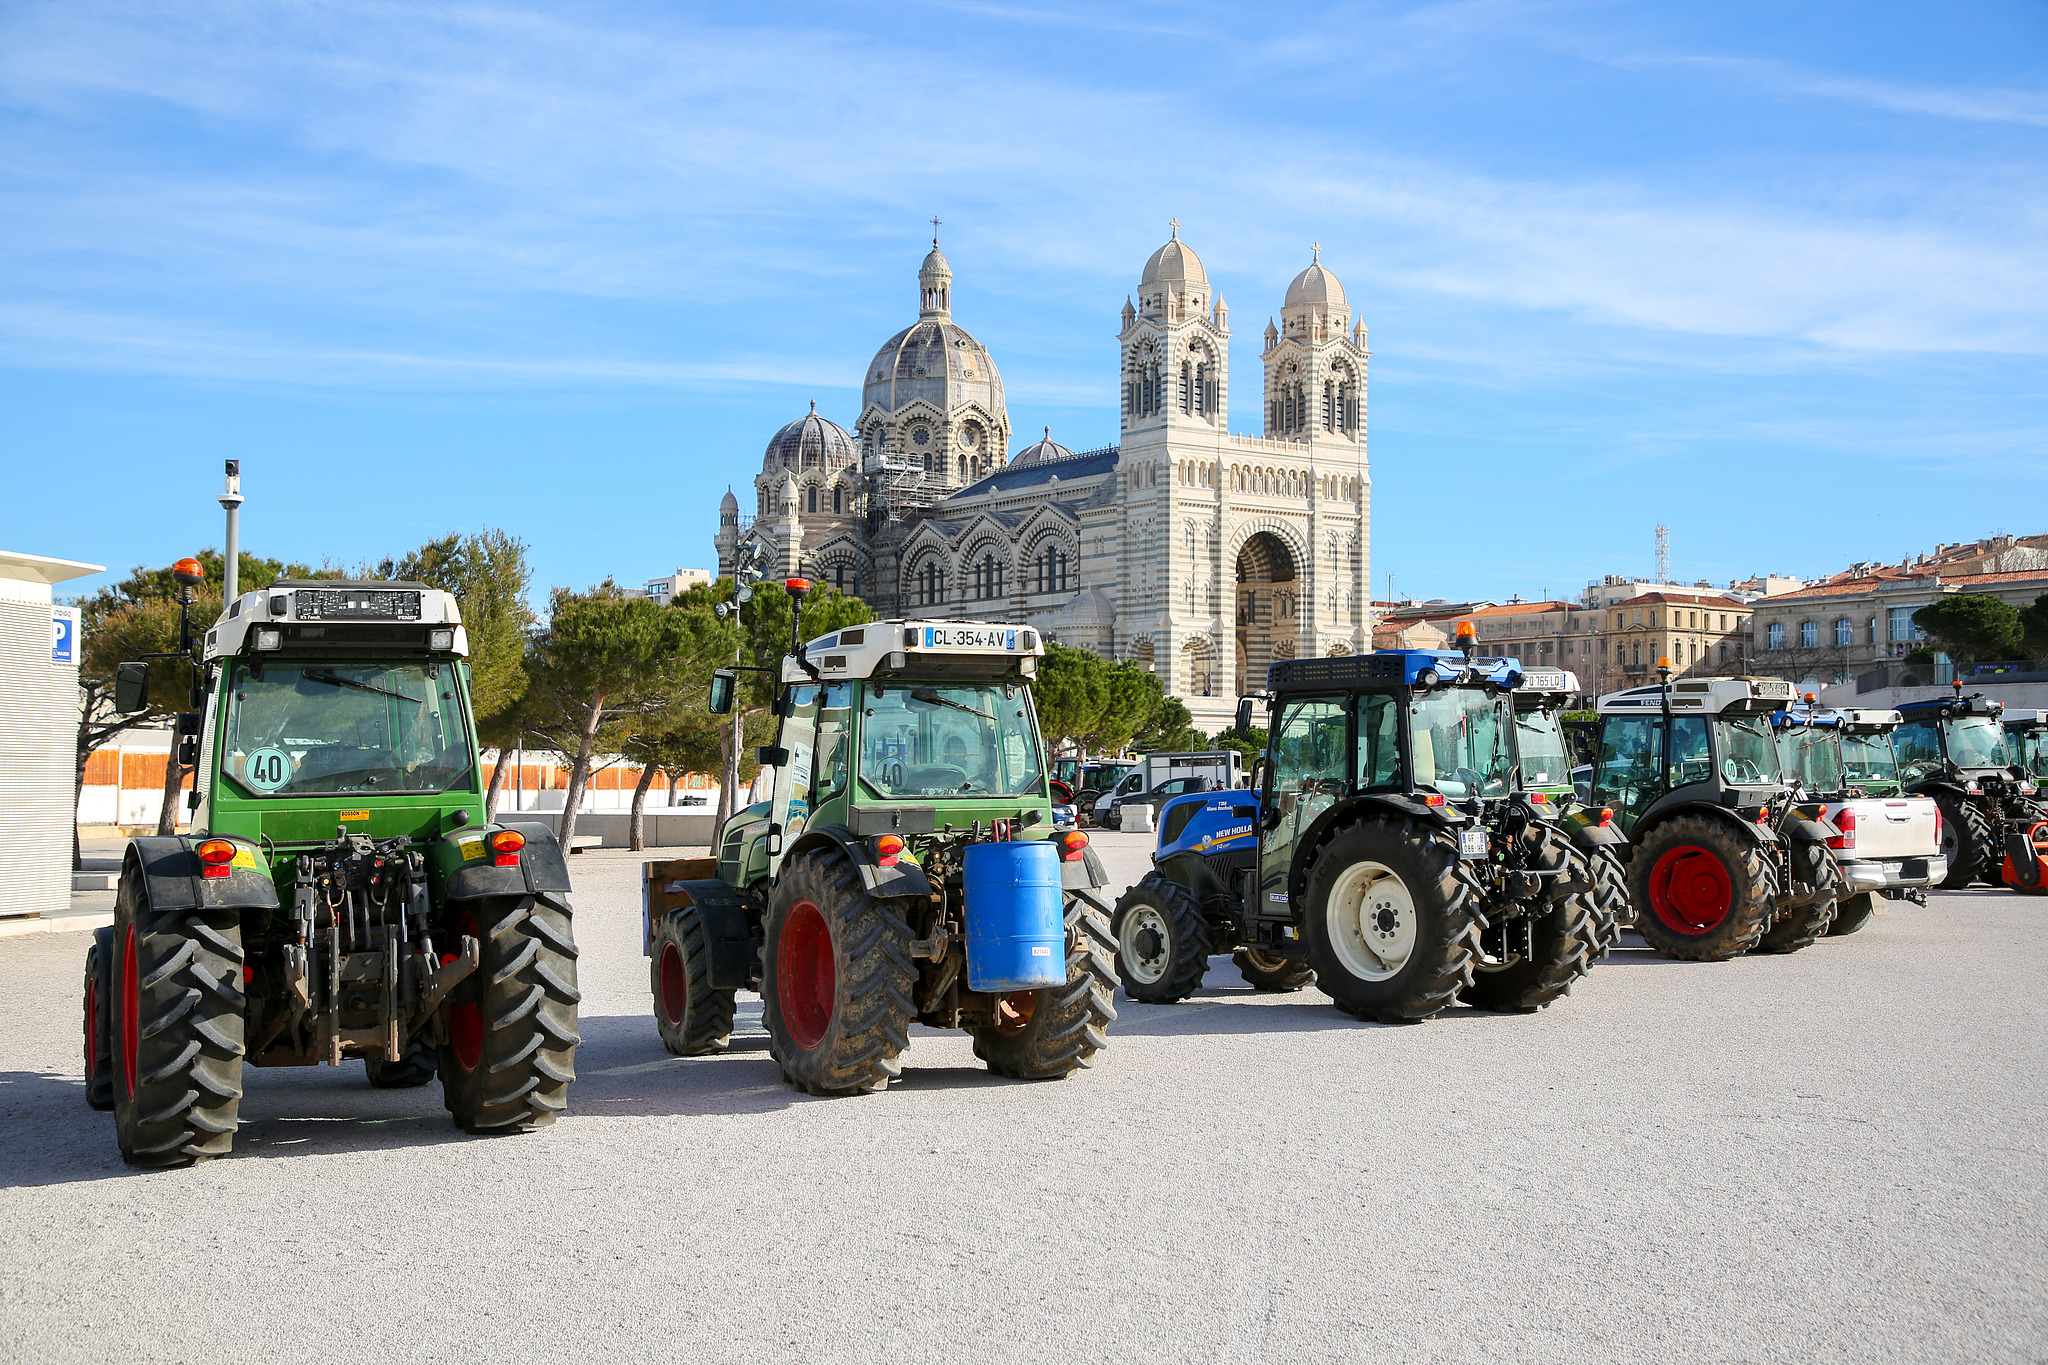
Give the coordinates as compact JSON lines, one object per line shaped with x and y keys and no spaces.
{"x":1047,"y":449}
{"x":810,"y":442}
{"x":935,"y":359}
{"x":1315,"y":287}
{"x":1175,"y":263}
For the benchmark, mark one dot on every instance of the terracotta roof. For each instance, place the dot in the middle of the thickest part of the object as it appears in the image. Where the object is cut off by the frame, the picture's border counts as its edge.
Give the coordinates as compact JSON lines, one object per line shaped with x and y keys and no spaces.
{"x":1851,"y":587}
{"x":1520,"y":608}
{"x":1688,"y":599}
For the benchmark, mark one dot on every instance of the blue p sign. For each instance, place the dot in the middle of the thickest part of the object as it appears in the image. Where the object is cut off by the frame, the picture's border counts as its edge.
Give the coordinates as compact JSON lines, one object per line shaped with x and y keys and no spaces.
{"x":64,"y":635}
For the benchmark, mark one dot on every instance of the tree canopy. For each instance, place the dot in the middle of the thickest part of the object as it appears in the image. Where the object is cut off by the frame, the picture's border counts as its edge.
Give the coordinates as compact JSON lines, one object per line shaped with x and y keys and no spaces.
{"x":488,"y":575}
{"x":1973,"y":626}
{"x":1085,"y":701}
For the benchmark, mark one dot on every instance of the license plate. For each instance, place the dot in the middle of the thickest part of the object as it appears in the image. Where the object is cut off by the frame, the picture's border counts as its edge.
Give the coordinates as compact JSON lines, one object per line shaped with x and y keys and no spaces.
{"x":969,"y":637}
{"x":1472,"y":843}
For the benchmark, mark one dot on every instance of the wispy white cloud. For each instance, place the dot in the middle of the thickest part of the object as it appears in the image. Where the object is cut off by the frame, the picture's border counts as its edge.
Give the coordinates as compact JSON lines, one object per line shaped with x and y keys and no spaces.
{"x":2025,"y":107}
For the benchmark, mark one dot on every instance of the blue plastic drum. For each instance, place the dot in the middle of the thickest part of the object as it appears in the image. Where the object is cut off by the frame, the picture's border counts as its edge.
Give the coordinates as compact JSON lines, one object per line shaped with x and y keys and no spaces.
{"x":1016,"y":920}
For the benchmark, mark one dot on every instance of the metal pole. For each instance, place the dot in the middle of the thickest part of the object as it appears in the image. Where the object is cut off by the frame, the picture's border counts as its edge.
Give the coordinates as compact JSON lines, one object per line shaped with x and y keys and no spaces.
{"x":231,"y":501}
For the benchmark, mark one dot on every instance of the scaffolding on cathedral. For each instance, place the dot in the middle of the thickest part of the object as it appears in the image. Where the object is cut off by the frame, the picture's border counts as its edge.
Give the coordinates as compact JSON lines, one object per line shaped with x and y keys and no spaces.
{"x":897,"y":487}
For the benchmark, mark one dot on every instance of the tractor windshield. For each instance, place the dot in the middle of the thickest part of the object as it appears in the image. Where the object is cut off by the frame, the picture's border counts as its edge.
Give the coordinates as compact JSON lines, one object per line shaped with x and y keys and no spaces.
{"x":949,"y":739}
{"x":1811,"y":757}
{"x":1540,"y":749}
{"x":1868,"y":762}
{"x":1458,"y":746}
{"x":1977,"y":742}
{"x":1749,"y":755}
{"x":345,"y":727}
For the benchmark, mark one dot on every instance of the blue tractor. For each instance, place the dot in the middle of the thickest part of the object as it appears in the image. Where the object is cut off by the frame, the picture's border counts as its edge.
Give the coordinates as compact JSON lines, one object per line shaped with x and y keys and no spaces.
{"x":1391,"y":854}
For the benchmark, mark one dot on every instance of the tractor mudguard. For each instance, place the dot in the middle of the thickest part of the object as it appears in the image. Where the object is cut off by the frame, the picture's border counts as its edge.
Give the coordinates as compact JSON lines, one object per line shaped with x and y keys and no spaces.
{"x":1801,"y":829}
{"x":1756,"y":834}
{"x":904,"y":879}
{"x":170,"y":872}
{"x":1358,"y":807}
{"x":541,"y":865}
{"x":728,"y":928}
{"x":1083,"y":873}
{"x":1207,"y":877}
{"x":1595,"y":836}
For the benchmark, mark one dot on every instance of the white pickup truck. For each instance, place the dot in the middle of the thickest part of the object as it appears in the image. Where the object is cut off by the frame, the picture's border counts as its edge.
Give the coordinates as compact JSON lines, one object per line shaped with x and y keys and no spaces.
{"x":1157,"y":778}
{"x":1890,"y":843}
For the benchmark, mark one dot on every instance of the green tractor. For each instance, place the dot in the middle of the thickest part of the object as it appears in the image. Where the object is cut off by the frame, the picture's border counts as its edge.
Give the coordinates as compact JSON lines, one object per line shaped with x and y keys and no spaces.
{"x":1543,"y":758}
{"x":341,"y":895}
{"x":906,"y":870}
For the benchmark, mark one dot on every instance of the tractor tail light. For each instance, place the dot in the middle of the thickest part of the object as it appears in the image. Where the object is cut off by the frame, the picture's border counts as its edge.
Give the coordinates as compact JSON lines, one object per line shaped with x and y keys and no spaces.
{"x":506,"y":844}
{"x":1072,"y":844}
{"x":216,"y":857}
{"x":1432,"y":799}
{"x":1606,"y":816}
{"x":888,"y":848}
{"x":1845,"y":821}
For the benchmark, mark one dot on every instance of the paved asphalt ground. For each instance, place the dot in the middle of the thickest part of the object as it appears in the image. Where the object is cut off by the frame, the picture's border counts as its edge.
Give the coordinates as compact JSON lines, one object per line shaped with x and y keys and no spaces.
{"x":1833,"y":1156}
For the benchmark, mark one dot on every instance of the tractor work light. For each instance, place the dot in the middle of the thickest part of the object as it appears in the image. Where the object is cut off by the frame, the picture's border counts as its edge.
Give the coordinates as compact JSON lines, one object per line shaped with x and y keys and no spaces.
{"x":1467,"y":631}
{"x":797,"y":585}
{"x":215,"y":857}
{"x":888,"y":848}
{"x":506,"y":844}
{"x":270,"y":639}
{"x":1663,"y":663}
{"x":440,"y":639}
{"x":1072,"y":845}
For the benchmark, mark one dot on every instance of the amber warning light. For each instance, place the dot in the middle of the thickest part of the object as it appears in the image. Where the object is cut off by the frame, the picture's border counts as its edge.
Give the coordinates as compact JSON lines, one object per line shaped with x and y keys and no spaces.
{"x":215,"y":857}
{"x":1467,"y":631}
{"x":506,"y":844}
{"x":189,"y":572}
{"x":797,"y":584}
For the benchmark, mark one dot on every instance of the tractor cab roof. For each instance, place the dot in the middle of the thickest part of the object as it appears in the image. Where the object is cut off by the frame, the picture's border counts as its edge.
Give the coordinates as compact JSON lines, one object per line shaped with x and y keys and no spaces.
{"x":2023,"y":718}
{"x":968,"y":650}
{"x":329,"y":618}
{"x":1942,"y":708}
{"x":1697,"y":696}
{"x":1384,"y":670}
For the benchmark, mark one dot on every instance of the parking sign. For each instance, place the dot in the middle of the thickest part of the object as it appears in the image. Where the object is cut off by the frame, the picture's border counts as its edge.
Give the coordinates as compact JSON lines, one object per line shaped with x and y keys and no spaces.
{"x":64,"y":635}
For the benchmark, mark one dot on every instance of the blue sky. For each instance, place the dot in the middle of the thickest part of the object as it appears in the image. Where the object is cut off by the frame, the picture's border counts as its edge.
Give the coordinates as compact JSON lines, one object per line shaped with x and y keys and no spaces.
{"x":1776,"y":275}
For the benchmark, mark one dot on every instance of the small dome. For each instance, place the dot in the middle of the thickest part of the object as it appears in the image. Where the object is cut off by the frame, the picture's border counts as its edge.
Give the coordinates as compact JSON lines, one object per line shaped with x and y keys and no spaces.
{"x":935,"y":264}
{"x":1175,"y":263}
{"x":1315,"y":287}
{"x":728,"y":503}
{"x":810,"y":442}
{"x":1047,"y":449}
{"x":1090,"y":610}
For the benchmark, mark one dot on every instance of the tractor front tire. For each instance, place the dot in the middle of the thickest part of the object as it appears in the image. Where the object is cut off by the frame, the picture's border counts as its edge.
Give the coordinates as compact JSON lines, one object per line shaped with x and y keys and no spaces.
{"x":510,"y":1050}
{"x":1057,"y":1030}
{"x":1801,"y":925}
{"x":1564,"y":939}
{"x":1268,"y":973}
{"x":693,"y":1017}
{"x":1391,"y":914}
{"x":1612,"y":908}
{"x":1703,"y":892}
{"x":418,"y":1064}
{"x":178,"y":1017}
{"x":99,"y":1022}
{"x":837,"y":979}
{"x":1853,"y":913}
{"x":1162,"y":940}
{"x":1967,"y":841}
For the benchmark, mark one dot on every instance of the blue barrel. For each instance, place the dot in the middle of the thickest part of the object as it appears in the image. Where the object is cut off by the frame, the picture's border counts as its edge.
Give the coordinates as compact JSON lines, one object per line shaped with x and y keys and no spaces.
{"x":1016,"y":921}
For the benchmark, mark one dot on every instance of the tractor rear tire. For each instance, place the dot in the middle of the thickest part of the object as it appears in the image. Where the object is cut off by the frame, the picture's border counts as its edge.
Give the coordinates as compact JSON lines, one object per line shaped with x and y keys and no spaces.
{"x":510,"y":1050}
{"x":1801,"y":925}
{"x":693,"y":1017}
{"x":1162,"y":940}
{"x":1565,"y":937}
{"x":178,"y":1017}
{"x":1853,"y":913}
{"x":1268,"y":973}
{"x":418,"y":1064}
{"x":1612,"y":908}
{"x":1967,"y":840}
{"x":1061,"y":1028}
{"x":99,"y":1019}
{"x":837,"y":980}
{"x":1391,"y":915}
{"x":1703,"y":891}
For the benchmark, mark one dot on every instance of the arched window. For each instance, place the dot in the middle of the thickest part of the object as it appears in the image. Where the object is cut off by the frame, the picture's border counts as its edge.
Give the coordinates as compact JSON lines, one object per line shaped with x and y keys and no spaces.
{"x":1049,"y":569}
{"x":988,"y":578}
{"x":931,"y":584}
{"x":1845,"y":631}
{"x":835,"y":498}
{"x":811,"y":501}
{"x":1774,"y":635}
{"x":1809,"y":634}
{"x":1187,"y":387}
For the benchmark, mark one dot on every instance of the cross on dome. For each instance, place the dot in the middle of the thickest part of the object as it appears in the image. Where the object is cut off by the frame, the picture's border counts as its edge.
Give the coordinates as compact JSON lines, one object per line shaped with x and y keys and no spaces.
{"x":935,"y":230}
{"x":1174,"y":224}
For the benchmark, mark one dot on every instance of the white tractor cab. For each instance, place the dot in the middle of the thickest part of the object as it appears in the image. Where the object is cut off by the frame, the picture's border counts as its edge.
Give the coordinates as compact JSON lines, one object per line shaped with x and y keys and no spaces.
{"x":1889,"y":843}
{"x":1155,"y":779}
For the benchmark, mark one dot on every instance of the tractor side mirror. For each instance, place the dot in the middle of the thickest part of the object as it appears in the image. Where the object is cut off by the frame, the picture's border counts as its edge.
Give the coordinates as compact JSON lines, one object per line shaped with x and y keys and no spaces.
{"x":771,"y":756}
{"x":721,"y":692}
{"x":1244,"y":714}
{"x":188,"y":753}
{"x":131,"y":688}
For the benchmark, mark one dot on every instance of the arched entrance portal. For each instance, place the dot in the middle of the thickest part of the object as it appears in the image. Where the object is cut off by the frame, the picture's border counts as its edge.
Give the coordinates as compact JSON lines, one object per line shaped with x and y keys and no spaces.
{"x":1266,"y":620}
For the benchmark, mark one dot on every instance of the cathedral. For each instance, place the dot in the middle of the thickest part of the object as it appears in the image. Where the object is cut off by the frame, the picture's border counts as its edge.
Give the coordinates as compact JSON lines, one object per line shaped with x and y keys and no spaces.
{"x":1201,"y":554}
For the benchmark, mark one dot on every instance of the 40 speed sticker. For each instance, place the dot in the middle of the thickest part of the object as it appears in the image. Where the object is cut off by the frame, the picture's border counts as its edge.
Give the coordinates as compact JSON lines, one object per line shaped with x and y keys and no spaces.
{"x":268,"y":769}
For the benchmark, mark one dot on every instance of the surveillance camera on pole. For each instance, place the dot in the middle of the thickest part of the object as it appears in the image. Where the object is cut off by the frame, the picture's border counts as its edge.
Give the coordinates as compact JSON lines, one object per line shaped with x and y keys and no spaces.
{"x":231,"y":502}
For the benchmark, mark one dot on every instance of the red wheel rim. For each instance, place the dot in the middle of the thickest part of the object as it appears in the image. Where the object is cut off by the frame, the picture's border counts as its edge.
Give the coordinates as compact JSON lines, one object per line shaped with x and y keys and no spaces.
{"x":465,"y":1020}
{"x":675,"y":985}
{"x":806,"y":981}
{"x":131,"y":1011}
{"x":1690,"y":890}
